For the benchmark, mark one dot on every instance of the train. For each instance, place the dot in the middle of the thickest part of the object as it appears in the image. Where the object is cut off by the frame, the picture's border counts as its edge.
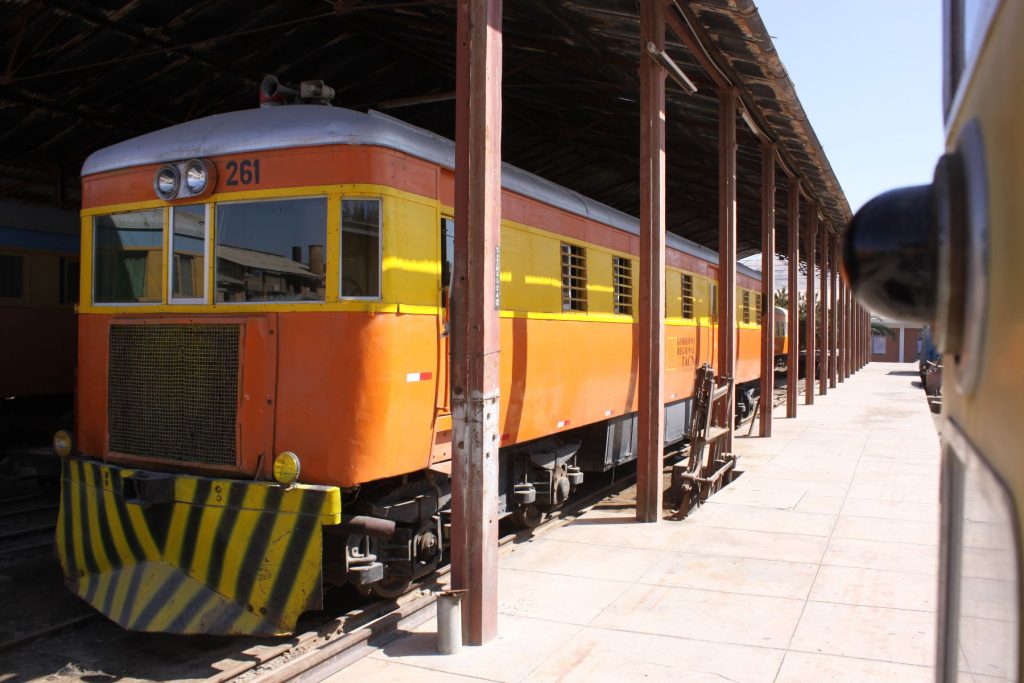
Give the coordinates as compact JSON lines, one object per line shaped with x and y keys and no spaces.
{"x":39,"y":278}
{"x":947,"y":254}
{"x":263,"y":400}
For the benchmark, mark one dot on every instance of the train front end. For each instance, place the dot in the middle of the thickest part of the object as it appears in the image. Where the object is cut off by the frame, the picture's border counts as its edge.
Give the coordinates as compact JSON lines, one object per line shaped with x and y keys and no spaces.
{"x":179,"y":512}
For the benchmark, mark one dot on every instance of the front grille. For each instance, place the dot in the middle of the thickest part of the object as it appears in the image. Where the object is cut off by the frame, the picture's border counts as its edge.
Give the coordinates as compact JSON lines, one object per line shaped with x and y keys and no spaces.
{"x":173,"y":392}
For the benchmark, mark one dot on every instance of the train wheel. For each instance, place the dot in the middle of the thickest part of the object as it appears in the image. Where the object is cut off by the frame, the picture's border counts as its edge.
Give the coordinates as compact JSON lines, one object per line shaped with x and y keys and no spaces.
{"x":528,"y":516}
{"x":390,"y":588}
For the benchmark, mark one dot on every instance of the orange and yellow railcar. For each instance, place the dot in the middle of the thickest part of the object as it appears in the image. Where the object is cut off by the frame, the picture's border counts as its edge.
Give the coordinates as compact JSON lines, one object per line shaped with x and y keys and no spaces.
{"x":263,"y":362}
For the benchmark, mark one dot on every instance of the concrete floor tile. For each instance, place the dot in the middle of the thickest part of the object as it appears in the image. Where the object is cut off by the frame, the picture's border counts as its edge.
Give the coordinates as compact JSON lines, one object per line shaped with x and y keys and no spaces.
{"x":619,"y":529}
{"x":875,"y":588}
{"x":827,"y":505}
{"x":541,"y":596}
{"x":905,"y":557}
{"x":733,"y":575}
{"x":765,"y":481}
{"x":753,"y":495}
{"x":803,"y":667}
{"x":890,"y":530}
{"x":372,"y":670}
{"x":521,"y":646}
{"x":758,"y":545}
{"x":985,"y":644}
{"x":988,"y":563}
{"x":813,"y":469}
{"x":612,"y":656}
{"x":704,"y":615}
{"x":890,"y":635}
{"x":759,"y":519}
{"x":888,"y":509}
{"x":901,"y":494}
{"x":930,"y":482}
{"x":582,"y":559}
{"x":986,"y":598}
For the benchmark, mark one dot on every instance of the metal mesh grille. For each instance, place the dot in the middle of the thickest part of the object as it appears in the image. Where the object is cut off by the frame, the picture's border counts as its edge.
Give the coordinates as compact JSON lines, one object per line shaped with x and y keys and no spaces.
{"x":173,"y":391}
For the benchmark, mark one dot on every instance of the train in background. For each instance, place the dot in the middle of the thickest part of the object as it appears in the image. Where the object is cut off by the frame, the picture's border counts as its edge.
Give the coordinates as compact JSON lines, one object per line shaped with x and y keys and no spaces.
{"x":39,"y":279}
{"x":948,"y":254}
{"x":263,"y":402}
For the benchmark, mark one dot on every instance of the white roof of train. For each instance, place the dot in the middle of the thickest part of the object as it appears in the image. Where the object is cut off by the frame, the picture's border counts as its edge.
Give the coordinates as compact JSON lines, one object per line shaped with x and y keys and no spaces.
{"x":310,"y":125}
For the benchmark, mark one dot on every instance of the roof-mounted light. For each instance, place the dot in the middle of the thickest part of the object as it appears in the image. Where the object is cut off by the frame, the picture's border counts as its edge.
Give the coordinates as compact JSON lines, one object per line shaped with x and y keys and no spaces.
{"x":197,"y":176}
{"x":166,"y":182}
{"x":185,"y":179}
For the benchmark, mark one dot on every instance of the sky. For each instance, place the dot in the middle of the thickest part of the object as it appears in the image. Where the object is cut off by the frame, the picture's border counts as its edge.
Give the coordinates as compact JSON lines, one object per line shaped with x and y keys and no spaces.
{"x":869,"y":76}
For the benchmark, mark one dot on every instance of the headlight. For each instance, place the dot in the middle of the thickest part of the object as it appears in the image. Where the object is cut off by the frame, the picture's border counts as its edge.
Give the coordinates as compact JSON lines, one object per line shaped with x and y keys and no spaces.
{"x":166,"y":181}
{"x":196,"y":176}
{"x":62,"y":443}
{"x":286,"y":468}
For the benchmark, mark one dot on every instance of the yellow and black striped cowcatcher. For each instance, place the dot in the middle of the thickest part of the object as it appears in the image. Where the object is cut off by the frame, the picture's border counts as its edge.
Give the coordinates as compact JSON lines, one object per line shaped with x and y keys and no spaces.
{"x":182,"y":554}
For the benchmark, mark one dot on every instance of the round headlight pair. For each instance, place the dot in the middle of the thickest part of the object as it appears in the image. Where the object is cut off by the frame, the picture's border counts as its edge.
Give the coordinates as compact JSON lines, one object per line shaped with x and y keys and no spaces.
{"x":168,"y":180}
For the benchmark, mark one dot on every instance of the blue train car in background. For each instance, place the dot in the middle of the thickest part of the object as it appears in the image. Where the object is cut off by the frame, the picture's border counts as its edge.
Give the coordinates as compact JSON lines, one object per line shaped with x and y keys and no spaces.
{"x":39,"y":281}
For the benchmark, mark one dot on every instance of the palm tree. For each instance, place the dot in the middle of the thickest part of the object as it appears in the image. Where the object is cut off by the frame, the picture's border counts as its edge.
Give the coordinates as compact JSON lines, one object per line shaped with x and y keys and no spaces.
{"x":880,"y":330}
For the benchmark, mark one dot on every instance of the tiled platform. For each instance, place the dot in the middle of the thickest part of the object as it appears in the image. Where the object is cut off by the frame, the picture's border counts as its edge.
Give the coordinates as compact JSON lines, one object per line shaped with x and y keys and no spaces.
{"x":818,"y":564}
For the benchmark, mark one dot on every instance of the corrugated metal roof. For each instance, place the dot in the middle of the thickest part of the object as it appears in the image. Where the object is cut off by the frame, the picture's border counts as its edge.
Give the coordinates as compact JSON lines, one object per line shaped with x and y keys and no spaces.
{"x":85,"y":74}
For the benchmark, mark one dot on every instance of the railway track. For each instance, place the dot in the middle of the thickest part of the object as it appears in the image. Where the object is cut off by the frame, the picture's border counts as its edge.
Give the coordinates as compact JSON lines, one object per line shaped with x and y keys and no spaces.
{"x":27,"y":524}
{"x":316,"y":655}
{"x":74,"y":645}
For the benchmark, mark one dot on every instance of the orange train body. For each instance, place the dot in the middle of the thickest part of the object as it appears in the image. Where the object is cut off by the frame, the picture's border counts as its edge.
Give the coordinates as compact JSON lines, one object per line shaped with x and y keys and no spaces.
{"x":355,"y":386}
{"x":342,"y":398}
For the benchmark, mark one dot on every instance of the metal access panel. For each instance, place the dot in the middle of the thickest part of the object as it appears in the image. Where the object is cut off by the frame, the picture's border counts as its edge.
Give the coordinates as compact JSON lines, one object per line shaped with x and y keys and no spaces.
{"x":607,"y":444}
{"x":613,"y":441}
{"x":677,"y":420}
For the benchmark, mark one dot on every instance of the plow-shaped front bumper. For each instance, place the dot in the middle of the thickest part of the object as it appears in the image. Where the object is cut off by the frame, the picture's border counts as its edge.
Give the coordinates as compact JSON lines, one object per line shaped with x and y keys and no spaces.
{"x":181,"y":554}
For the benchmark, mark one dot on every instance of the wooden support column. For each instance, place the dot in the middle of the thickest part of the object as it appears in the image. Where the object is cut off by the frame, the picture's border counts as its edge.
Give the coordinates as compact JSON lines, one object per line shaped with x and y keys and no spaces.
{"x":811,"y":357}
{"x":853,"y":330}
{"x":475,"y":334}
{"x":825,"y":352}
{"x":866,"y":337}
{"x":727,"y":251}
{"x":833,"y":297}
{"x":767,"y":287}
{"x":651,"y":330}
{"x":844,"y":342}
{"x":793,"y":356}
{"x":856,"y":347}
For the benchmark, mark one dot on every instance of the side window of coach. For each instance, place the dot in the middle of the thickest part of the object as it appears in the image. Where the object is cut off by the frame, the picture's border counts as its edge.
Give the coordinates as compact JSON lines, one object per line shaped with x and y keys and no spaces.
{"x":360,"y":248}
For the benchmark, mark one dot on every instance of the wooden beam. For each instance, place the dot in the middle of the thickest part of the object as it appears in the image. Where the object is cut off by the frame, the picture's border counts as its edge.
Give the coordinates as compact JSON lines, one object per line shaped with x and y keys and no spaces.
{"x":475,"y":323}
{"x":727,"y":99}
{"x":767,"y":287}
{"x":651,"y":300}
{"x":793,"y":359}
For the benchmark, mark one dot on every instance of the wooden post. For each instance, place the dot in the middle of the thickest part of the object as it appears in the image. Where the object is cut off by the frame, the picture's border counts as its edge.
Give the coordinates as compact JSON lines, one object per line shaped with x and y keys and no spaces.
{"x":727,"y":252}
{"x":650,"y":418}
{"x":853,"y":330}
{"x":844,"y":341}
{"x":833,"y":297}
{"x":475,"y":333}
{"x":793,"y":357}
{"x":825,"y":352}
{"x":810,"y":363}
{"x":767,"y":287}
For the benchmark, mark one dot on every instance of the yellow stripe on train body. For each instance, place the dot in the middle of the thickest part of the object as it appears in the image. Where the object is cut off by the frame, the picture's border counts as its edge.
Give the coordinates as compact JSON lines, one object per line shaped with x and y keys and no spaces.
{"x":181,"y":554}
